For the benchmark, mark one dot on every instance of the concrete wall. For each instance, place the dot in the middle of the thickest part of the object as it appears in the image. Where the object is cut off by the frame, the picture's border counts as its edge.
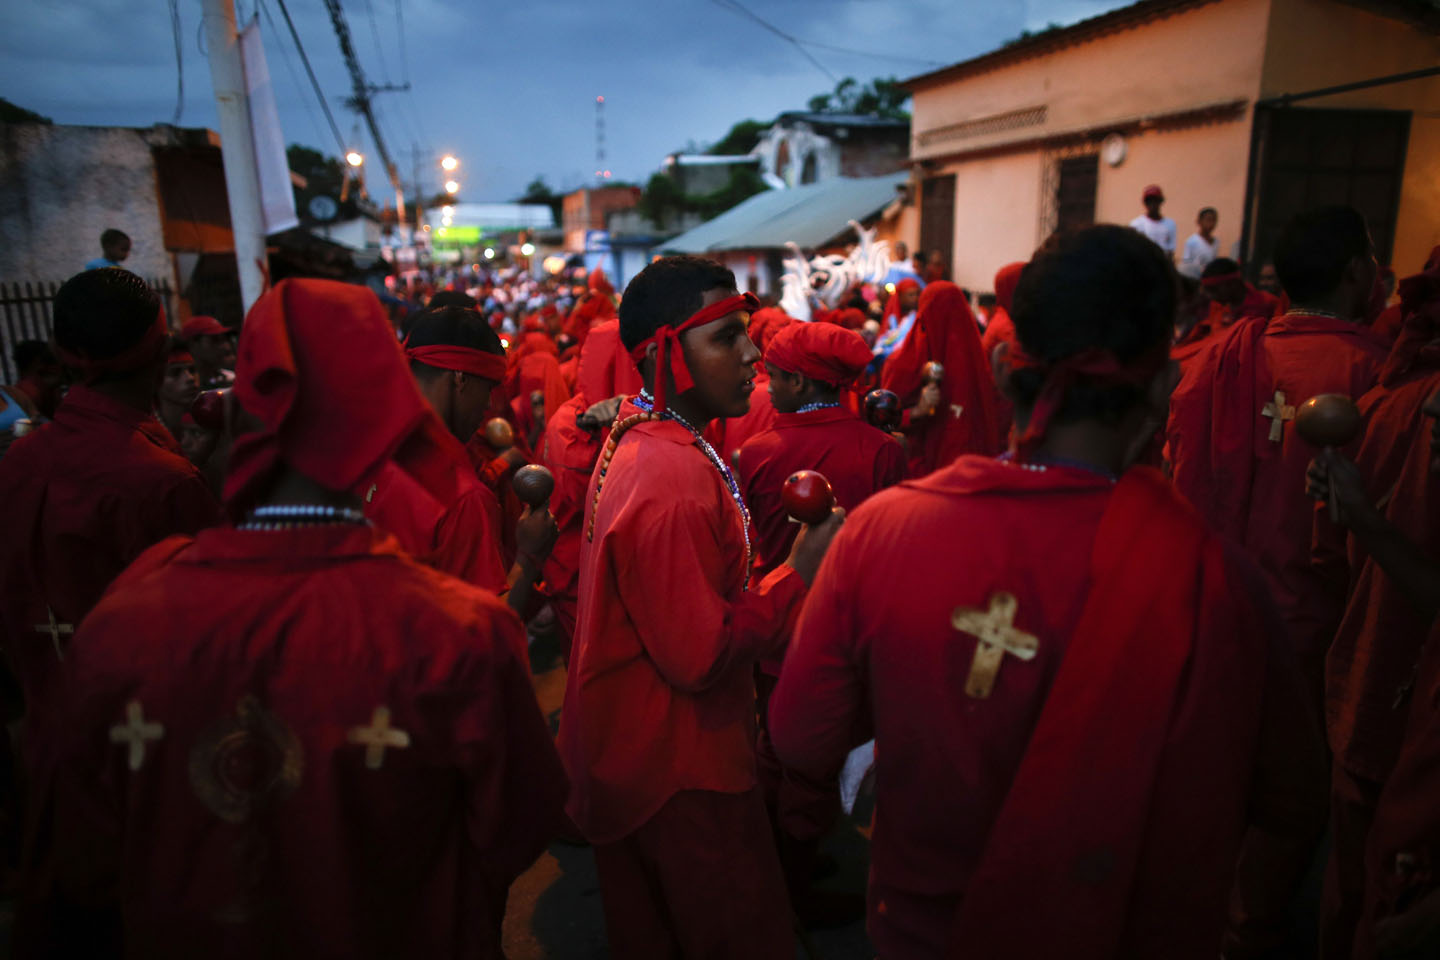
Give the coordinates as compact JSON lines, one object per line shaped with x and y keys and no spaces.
{"x":1320,"y":43}
{"x":60,"y":186}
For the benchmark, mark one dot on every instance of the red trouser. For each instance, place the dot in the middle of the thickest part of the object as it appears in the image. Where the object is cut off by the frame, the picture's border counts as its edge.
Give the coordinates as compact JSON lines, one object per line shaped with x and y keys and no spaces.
{"x":699,"y":880}
{"x":1353,"y":799}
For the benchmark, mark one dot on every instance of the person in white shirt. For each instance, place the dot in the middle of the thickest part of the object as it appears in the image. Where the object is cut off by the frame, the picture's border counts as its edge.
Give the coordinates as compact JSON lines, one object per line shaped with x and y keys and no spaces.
{"x":1202,"y":246}
{"x":1160,"y":230}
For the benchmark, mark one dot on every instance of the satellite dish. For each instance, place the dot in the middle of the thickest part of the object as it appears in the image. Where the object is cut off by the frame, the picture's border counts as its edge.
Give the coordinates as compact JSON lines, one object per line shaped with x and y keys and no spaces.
{"x":323,"y":208}
{"x":1113,"y":149}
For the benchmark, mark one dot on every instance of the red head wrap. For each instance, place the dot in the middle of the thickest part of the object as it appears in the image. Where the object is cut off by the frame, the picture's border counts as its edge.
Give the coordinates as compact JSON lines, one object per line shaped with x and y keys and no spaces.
{"x":1099,"y":367}
{"x":132,"y":359}
{"x":598,"y":283}
{"x":200,"y":326}
{"x":820,"y":351}
{"x":334,"y":408}
{"x":1007,"y":278}
{"x":909,"y":283}
{"x":765,"y":323}
{"x":667,"y":341}
{"x":490,"y":366}
{"x":1215,"y":279}
{"x":605,"y":369}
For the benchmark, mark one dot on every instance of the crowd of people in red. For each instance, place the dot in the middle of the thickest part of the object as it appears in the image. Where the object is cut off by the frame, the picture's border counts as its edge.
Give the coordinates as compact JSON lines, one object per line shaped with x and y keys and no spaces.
{"x":264,"y":610}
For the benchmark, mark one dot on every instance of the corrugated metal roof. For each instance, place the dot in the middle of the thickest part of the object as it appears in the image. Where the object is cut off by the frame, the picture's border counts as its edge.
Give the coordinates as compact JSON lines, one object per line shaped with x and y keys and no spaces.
{"x":809,"y":216}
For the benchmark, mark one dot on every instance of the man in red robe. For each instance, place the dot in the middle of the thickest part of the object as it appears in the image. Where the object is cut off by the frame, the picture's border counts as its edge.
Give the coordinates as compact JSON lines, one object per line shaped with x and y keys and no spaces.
{"x":1372,"y":657}
{"x":808,"y":366}
{"x":328,"y":748}
{"x":1231,"y":299}
{"x":1001,"y":329}
{"x":1071,"y":695}
{"x":956,"y":415}
{"x":730,"y":434}
{"x":85,"y":494}
{"x":457,"y":361}
{"x":574,"y":438}
{"x":658,"y":728}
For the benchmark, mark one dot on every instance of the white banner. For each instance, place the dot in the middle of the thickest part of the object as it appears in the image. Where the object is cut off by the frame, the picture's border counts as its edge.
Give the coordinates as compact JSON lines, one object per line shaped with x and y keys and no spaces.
{"x":277,"y":197}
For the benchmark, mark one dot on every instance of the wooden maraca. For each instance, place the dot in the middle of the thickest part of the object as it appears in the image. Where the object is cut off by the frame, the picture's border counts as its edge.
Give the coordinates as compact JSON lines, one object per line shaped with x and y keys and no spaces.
{"x":1328,"y":420}
{"x":499,"y":434}
{"x":807,"y":496}
{"x":533,"y":484}
{"x":882,"y":409}
{"x":208,"y":409}
{"x":933,"y":372}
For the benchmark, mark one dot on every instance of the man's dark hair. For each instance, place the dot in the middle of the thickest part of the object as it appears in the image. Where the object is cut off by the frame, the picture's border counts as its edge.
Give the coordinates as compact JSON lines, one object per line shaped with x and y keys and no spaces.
{"x":451,"y":327}
{"x":1205,"y":210}
{"x":1105,"y":287}
{"x":666,"y":293}
{"x":111,"y":237}
{"x":100,"y":313}
{"x":451,"y":298}
{"x":31,"y":353}
{"x":1220,"y":266}
{"x":1314,"y":249}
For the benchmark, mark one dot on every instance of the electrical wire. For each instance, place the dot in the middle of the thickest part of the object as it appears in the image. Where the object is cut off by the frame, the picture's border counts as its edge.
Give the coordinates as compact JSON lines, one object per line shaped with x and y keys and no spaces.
{"x":400,"y":30}
{"x":309,"y":70}
{"x":375,"y":35}
{"x":799,"y":44}
{"x":290,"y":68}
{"x":735,"y":7}
{"x":179,"y":62}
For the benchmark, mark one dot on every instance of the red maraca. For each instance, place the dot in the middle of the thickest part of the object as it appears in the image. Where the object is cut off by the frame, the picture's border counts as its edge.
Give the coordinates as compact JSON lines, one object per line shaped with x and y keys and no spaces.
{"x":499,"y":434}
{"x":533,"y":484}
{"x":208,"y":409}
{"x":882,"y":409}
{"x":1328,"y":420}
{"x":933,"y":372}
{"x":807,"y":496}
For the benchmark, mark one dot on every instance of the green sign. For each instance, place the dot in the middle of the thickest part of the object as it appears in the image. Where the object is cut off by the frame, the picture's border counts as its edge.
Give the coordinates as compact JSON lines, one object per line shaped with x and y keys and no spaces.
{"x":456,"y":236}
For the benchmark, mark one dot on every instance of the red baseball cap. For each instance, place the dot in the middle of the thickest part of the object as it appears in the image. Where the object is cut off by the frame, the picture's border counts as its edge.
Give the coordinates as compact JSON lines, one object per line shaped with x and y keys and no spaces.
{"x":202,"y":327}
{"x":1153,"y":191}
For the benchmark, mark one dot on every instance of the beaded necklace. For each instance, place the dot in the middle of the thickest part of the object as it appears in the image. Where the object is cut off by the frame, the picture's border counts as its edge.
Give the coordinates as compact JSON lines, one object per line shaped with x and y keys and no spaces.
{"x":288,"y":516}
{"x":818,"y":405}
{"x":646,"y":403}
{"x":1308,"y":312}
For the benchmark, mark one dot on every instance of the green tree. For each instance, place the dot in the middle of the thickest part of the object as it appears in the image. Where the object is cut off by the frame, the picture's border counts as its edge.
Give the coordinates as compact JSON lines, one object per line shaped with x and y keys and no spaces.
{"x":537,"y":191}
{"x":881,"y":97}
{"x":13,"y":113}
{"x":323,"y":175}
{"x":740,"y":140}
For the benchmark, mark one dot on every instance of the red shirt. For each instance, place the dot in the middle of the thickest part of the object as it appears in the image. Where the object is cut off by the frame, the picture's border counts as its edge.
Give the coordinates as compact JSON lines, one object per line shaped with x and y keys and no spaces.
{"x":570,"y":453}
{"x":84,"y":495}
{"x":735,"y":431}
{"x":661,"y":694}
{"x":254,"y":819}
{"x":856,"y":458}
{"x":877,"y":653}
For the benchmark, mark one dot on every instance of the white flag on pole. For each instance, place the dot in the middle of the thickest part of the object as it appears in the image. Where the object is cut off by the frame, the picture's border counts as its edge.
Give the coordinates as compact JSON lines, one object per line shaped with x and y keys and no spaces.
{"x":277,"y":198}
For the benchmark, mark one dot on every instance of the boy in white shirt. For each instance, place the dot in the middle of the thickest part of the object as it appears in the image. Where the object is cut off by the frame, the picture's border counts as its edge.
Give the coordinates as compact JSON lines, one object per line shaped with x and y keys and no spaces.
{"x":1202,"y":246}
{"x":1160,"y":230}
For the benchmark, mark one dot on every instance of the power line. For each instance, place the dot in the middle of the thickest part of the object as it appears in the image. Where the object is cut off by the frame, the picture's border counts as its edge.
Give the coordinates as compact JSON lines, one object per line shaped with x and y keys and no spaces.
{"x":290,"y":69}
{"x":736,"y":7}
{"x":179,"y":62}
{"x":400,"y":29}
{"x":871,"y":53}
{"x":310,"y":71}
{"x":375,"y":35}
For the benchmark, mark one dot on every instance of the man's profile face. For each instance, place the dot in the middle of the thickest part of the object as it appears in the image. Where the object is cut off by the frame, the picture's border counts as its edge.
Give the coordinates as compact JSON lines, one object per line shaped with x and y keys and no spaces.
{"x":213,"y":351}
{"x":180,"y":385}
{"x":1231,"y":292}
{"x":471,"y":402}
{"x":1268,"y":281}
{"x":784,"y":389}
{"x":722,"y":359}
{"x":909,"y":300}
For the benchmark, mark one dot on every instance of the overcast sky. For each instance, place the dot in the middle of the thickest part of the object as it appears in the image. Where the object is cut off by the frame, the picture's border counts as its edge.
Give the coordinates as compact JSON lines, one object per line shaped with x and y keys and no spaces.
{"x":508,"y":87}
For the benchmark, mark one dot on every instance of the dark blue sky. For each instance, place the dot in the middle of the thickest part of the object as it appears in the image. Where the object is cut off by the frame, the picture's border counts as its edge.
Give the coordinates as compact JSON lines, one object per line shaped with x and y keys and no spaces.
{"x":508,"y":87}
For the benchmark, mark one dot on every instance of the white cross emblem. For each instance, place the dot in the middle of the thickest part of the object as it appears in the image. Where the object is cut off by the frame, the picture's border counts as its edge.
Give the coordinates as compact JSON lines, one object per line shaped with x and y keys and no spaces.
{"x":56,"y":629}
{"x":376,"y":737}
{"x":135,"y":731}
{"x":1278,"y":411}
{"x":955,"y":410}
{"x":995,"y":629}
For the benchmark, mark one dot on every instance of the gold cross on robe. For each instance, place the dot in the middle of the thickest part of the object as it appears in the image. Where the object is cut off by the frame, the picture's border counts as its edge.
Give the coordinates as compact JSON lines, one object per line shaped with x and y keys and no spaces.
{"x":995,"y":629}
{"x":1278,"y":411}
{"x":377,"y":737}
{"x":956,"y":409}
{"x":56,"y":629}
{"x":135,"y":731}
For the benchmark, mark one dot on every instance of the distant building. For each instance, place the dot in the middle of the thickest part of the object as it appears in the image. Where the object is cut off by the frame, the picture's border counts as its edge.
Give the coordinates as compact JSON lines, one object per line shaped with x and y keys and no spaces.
{"x":801,"y":148}
{"x":1259,"y":108}
{"x":586,"y":209}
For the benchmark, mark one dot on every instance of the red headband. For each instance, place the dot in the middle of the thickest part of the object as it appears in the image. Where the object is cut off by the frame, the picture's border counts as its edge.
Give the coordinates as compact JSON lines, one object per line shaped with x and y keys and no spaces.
{"x":1219,"y":278}
{"x":490,"y":366}
{"x":1098,"y":366}
{"x":667,"y":341}
{"x":145,"y":350}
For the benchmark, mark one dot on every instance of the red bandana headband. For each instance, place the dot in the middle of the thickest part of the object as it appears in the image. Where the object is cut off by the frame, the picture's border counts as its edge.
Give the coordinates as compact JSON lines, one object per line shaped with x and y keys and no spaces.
{"x":145,"y":350}
{"x":1219,"y":278}
{"x":490,"y":366}
{"x":1100,"y":367}
{"x":667,"y":341}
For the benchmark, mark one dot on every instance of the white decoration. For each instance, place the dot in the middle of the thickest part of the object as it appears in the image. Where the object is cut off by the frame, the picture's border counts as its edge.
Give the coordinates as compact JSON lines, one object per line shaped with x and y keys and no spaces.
{"x":868,"y":262}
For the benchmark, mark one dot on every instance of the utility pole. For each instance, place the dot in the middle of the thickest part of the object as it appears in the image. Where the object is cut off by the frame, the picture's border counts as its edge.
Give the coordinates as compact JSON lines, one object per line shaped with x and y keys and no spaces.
{"x":237,"y":147}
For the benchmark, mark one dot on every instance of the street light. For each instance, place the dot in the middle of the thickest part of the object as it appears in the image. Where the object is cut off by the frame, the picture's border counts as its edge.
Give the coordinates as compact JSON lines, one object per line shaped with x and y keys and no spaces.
{"x":354,"y":158}
{"x":447,"y":211}
{"x":528,"y":249}
{"x":448,"y":163}
{"x":452,"y":186}
{"x":489,"y":253}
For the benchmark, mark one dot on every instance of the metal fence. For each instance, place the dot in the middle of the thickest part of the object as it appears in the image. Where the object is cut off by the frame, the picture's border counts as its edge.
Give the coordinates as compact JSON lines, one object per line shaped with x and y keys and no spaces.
{"x":25,"y":314}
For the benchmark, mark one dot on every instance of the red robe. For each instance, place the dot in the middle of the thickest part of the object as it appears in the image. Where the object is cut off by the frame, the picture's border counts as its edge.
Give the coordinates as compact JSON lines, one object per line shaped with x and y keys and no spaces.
{"x":1053,"y":813}
{"x":1218,"y":319}
{"x":252,"y":819}
{"x":657,"y":732}
{"x":84,"y":495}
{"x":1403,"y":853}
{"x":1251,"y":487}
{"x":729,"y":435}
{"x":966,"y":422}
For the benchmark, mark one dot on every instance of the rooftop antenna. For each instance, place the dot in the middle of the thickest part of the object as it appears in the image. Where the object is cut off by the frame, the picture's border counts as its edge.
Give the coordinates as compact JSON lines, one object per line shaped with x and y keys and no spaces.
{"x":601,"y":173}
